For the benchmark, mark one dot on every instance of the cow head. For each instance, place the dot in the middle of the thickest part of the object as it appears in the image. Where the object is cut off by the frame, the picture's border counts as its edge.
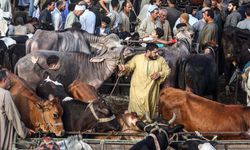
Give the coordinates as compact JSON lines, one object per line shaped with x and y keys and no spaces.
{"x":105,"y":117}
{"x":48,"y":87}
{"x":51,"y":115}
{"x":128,"y":121}
{"x":114,"y":54}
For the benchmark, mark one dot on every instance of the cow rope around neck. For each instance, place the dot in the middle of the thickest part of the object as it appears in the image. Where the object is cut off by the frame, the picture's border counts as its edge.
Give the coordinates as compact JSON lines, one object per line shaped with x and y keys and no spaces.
{"x":48,"y":124}
{"x":100,"y":120}
{"x":160,"y":130}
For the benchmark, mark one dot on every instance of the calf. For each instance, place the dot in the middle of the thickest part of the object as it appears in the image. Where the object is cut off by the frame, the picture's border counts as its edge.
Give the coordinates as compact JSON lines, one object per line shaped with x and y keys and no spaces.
{"x":200,"y":114}
{"x":77,"y":115}
{"x":128,"y":125}
{"x":158,"y":138}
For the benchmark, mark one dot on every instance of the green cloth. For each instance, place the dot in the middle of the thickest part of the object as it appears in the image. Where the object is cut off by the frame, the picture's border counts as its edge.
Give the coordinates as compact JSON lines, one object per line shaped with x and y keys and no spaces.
{"x":144,"y":92}
{"x":71,"y":18}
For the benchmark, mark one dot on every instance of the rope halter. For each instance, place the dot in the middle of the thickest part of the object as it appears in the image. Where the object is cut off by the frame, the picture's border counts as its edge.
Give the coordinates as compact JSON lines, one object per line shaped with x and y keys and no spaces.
{"x":100,"y":120}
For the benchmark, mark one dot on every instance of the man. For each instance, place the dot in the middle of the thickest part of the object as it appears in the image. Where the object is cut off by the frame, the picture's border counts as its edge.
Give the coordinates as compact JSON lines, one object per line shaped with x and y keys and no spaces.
{"x":124,"y":14}
{"x":198,"y":26}
{"x":56,"y":15}
{"x":53,"y":66}
{"x":173,"y":13}
{"x":245,"y":24}
{"x":88,"y":19}
{"x":210,"y":30}
{"x":75,"y":12}
{"x":45,"y":19}
{"x":149,"y":71}
{"x":164,"y":24}
{"x":114,"y":16}
{"x":205,"y":5}
{"x":149,"y":24}
{"x":234,"y":17}
{"x":10,"y":122}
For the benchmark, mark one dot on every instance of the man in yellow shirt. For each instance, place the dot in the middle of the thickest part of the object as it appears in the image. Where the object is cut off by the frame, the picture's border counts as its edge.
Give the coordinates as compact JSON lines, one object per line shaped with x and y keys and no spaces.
{"x":149,"y":71}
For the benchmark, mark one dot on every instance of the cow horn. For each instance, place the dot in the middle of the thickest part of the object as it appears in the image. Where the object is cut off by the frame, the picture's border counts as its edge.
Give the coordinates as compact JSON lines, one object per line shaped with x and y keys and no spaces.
{"x":172,"y":119}
{"x":51,"y":97}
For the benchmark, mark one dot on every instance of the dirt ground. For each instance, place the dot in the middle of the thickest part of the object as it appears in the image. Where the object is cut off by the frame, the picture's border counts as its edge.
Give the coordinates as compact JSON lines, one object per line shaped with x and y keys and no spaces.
{"x":119,"y":99}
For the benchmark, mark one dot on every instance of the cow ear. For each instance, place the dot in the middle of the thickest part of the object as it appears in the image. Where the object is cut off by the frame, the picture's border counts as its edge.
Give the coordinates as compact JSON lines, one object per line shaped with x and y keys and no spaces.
{"x":96,"y":59}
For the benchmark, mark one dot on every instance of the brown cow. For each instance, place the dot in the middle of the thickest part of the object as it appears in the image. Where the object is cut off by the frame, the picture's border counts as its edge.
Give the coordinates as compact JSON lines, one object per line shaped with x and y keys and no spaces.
{"x":82,"y":91}
{"x":37,"y":114}
{"x":200,"y":114}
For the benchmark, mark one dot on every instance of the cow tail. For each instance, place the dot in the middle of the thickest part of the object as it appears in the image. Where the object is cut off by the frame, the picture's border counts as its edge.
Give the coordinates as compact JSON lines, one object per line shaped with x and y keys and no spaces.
{"x":15,"y":70}
{"x":180,"y":73}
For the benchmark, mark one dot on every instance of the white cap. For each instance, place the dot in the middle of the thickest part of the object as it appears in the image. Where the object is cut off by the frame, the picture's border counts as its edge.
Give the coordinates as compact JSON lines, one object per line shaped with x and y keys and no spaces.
{"x":80,"y":7}
{"x":151,"y":8}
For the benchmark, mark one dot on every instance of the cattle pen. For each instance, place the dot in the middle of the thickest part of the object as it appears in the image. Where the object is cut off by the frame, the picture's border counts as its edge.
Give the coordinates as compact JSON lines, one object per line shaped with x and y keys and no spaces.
{"x":109,"y":144}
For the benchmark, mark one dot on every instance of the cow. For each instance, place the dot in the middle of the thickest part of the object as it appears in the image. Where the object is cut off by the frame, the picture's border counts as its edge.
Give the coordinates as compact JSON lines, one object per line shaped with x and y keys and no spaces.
{"x":12,"y":49}
{"x":77,"y":115}
{"x":36,"y":113}
{"x":82,"y":91}
{"x":158,"y":138}
{"x":177,"y":51}
{"x":236,"y":47}
{"x":93,"y":70}
{"x":128,"y":125}
{"x":200,"y":114}
{"x":198,"y":73}
{"x":71,"y":40}
{"x":192,"y":142}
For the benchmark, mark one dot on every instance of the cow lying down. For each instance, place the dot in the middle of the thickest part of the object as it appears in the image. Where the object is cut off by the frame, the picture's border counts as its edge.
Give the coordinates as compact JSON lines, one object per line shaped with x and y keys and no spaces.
{"x":200,"y":114}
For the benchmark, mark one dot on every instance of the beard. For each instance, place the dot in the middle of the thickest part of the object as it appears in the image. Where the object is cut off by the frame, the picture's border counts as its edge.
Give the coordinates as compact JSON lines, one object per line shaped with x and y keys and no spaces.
{"x":152,"y":57}
{"x":228,"y":11}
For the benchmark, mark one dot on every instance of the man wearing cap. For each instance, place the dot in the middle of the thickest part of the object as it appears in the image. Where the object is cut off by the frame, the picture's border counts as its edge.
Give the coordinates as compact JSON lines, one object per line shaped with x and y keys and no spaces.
{"x":72,"y":16}
{"x":148,"y":25}
{"x":234,"y":17}
{"x":88,"y":19}
{"x":198,"y":26}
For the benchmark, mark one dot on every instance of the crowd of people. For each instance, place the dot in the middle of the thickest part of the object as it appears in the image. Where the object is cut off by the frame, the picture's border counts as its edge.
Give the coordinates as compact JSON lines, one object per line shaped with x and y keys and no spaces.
{"x":102,"y":17}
